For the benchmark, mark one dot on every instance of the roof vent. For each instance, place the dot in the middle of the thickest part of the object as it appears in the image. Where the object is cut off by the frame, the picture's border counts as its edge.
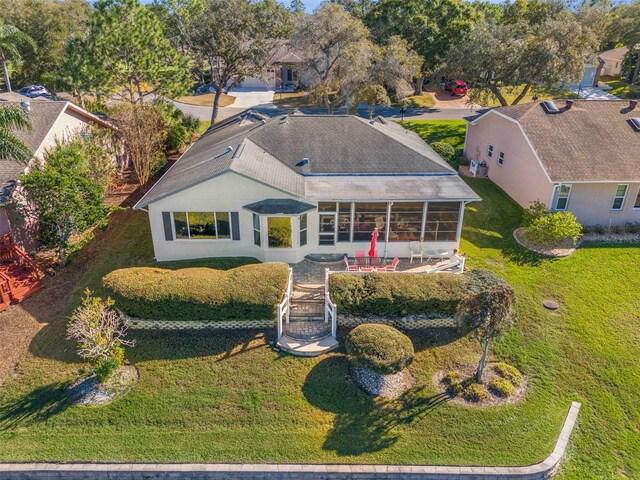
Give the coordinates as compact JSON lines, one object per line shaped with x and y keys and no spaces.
{"x":26,"y":106}
{"x":284,"y":119}
{"x":303,"y":162}
{"x":635,"y":123}
{"x":550,"y":107}
{"x":229,"y":149}
{"x":568,"y":104}
{"x":633,"y":104}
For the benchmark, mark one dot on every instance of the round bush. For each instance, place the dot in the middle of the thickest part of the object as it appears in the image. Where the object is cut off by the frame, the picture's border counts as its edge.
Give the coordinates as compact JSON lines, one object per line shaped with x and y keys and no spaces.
{"x":502,"y":387}
{"x":451,"y":377}
{"x":380,"y":348}
{"x":444,"y":149}
{"x":508,"y":372}
{"x":475,"y":392}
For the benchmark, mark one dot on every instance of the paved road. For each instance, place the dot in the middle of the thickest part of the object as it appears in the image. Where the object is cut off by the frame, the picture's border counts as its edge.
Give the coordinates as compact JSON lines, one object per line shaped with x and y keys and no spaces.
{"x":204,"y":113}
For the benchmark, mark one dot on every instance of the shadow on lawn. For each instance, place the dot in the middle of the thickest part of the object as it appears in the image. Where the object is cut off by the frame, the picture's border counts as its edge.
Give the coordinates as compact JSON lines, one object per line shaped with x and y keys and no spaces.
{"x":362,"y":424}
{"x":38,"y":405}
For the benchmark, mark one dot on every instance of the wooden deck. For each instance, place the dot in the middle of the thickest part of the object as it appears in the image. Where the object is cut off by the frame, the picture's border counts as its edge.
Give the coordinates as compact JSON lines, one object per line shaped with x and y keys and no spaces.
{"x":19,"y":275}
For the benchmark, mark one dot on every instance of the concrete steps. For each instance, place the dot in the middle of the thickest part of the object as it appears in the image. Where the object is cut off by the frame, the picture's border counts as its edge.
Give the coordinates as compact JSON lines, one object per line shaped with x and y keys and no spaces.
{"x":307,"y":348}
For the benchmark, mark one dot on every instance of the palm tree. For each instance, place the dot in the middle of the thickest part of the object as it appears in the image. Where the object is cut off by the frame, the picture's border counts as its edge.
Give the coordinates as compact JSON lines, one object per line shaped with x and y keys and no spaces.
{"x":10,"y":39}
{"x":11,"y":147}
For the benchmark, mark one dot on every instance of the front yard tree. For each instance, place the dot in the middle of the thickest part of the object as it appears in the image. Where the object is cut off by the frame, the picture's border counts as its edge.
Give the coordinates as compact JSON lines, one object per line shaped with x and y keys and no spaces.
{"x":373,"y":95}
{"x":625,"y":28}
{"x":237,"y":38}
{"x":337,"y":49}
{"x":62,"y":197}
{"x":430,"y":27}
{"x":143,"y":131}
{"x":11,"y":147}
{"x":519,"y":56}
{"x":127,"y":45}
{"x":486,"y":311}
{"x":11,"y":39}
{"x":395,"y":66}
{"x":100,"y":331}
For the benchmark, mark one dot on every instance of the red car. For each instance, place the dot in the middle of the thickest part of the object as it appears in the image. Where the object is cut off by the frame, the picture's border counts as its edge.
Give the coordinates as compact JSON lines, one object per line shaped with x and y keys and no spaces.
{"x":456,"y":87}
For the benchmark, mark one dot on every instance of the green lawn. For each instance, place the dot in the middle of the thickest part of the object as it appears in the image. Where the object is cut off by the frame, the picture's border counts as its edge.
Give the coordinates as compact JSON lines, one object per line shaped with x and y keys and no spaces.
{"x":621,"y":89}
{"x":450,"y":131}
{"x":228,"y":397}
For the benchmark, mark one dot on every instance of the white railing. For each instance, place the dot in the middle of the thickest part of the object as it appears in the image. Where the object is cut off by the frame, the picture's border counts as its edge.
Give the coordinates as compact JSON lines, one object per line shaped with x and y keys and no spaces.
{"x":330,"y":308}
{"x":284,"y":306}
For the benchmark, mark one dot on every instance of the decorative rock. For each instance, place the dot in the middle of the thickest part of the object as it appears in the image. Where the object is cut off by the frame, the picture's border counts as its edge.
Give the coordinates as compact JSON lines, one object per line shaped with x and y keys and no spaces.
{"x":551,"y":305}
{"x":88,"y":391}
{"x":386,"y":386}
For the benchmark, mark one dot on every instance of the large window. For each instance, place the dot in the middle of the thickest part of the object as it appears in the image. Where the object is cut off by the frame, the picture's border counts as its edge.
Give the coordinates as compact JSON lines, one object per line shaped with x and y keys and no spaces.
{"x":202,"y":225}
{"x":562,"y":199}
{"x":442,"y":221}
{"x":366,"y":217}
{"x":618,"y":200}
{"x":344,"y":222}
{"x":256,"y":230}
{"x":405,"y":224}
{"x":303,"y":229}
{"x":637,"y":204}
{"x":501,"y":158}
{"x":279,"y":232}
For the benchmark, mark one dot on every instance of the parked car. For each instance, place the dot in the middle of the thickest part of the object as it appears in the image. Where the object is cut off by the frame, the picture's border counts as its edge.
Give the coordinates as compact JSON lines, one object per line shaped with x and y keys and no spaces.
{"x":34,"y":91}
{"x":456,"y":87}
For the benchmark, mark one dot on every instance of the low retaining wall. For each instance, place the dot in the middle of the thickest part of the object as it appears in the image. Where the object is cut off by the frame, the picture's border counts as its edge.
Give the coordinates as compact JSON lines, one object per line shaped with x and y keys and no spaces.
{"x":211,"y":471}
{"x":405,"y":323}
{"x":144,"y":324}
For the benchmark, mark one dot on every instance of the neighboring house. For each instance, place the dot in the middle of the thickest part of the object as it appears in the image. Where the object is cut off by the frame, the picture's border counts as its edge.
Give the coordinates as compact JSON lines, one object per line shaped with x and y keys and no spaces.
{"x":294,"y":185}
{"x":51,"y":121}
{"x":612,"y":60}
{"x":582,"y":156}
{"x":591,"y":74}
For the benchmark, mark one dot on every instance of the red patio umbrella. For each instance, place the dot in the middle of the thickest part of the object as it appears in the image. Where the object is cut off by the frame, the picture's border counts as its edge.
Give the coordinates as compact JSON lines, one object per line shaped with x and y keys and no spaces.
{"x":374,"y":241}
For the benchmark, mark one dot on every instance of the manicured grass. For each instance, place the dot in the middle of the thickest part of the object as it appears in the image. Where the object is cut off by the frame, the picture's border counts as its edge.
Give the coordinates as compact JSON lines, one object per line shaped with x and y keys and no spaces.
{"x":450,"y":131}
{"x":206,"y":100}
{"x":621,"y":89}
{"x":292,"y":99}
{"x":204,"y":125}
{"x":419,"y":101}
{"x":543,"y":93}
{"x":228,"y":397}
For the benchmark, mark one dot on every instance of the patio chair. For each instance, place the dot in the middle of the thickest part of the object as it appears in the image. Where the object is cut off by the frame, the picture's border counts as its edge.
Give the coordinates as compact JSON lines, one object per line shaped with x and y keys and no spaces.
{"x":392,"y":267}
{"x":350,"y":268}
{"x":359,"y":253}
{"x":415,"y":251}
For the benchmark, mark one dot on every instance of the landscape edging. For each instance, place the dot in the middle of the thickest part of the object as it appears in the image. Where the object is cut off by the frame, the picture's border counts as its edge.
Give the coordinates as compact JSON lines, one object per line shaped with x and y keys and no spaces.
{"x":211,"y":471}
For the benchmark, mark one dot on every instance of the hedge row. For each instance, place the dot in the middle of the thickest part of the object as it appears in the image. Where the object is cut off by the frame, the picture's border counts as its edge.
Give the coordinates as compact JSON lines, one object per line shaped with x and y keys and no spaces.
{"x":250,"y":292}
{"x":397,"y":294}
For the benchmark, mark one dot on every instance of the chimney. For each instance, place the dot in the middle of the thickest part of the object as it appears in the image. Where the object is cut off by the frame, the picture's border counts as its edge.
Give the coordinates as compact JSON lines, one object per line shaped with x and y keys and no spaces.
{"x":569,"y":104}
{"x":26,"y":106}
{"x":633,"y":104}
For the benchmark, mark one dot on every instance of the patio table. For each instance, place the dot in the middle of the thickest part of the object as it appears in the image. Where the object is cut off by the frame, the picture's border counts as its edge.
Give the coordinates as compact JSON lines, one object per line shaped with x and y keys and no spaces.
{"x":370,"y":262}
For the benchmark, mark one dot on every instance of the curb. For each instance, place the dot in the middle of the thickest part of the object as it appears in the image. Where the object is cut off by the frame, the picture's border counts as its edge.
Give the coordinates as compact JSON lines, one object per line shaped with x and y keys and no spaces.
{"x":212,"y":471}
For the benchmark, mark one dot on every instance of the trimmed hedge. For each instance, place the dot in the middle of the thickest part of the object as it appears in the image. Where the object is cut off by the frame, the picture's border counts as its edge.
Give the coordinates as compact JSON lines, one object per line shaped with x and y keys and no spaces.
{"x":396,"y":295}
{"x":250,"y":292}
{"x":380,"y":348}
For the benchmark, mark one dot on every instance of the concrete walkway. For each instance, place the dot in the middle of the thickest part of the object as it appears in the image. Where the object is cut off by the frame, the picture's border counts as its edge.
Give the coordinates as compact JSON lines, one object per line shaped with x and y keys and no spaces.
{"x":593,"y":93}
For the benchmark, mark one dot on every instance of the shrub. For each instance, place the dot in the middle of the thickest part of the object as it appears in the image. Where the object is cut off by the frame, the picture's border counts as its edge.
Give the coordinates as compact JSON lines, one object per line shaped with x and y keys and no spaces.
{"x":445,"y":150}
{"x":250,"y":292}
{"x":508,"y":372}
{"x":104,"y":367}
{"x":533,"y":213}
{"x":475,"y":392}
{"x":553,"y":228}
{"x":451,"y":378}
{"x":502,"y":387}
{"x":396,"y":295}
{"x":380,"y":348}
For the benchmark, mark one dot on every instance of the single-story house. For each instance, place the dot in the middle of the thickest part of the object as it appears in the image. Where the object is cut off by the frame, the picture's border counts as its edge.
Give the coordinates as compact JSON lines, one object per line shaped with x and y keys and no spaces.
{"x":282,"y":188}
{"x":577,"y":155}
{"x":51,"y":121}
{"x":612,"y":60}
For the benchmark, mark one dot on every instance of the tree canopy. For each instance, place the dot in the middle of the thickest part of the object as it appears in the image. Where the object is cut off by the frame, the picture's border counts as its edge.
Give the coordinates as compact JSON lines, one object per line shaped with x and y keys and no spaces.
{"x":11,"y":147}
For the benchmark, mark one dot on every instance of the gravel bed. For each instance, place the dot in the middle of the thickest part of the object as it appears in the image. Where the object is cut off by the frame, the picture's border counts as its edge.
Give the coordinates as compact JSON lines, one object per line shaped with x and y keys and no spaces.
{"x":385,"y":386}
{"x":89,"y":392}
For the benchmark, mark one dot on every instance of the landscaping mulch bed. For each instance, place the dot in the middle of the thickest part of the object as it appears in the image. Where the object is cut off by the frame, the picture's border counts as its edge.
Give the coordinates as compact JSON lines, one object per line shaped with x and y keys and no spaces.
{"x":385,"y":386}
{"x":492,"y":400}
{"x":556,"y":251}
{"x":89,"y":392}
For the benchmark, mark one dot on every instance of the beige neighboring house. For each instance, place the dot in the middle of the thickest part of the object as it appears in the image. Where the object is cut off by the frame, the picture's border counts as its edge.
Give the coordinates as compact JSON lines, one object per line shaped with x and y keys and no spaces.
{"x":582,"y":156}
{"x":612,"y":60}
{"x":51,"y":121}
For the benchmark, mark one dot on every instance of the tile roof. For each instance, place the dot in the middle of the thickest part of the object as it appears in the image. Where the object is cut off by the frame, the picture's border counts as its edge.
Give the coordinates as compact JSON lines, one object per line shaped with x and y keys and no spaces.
{"x":591,"y":141}
{"x":272,"y":152}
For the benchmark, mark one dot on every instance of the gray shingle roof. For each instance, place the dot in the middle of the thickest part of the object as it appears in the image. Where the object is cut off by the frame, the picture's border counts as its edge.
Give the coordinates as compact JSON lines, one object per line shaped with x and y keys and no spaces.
{"x":271,"y":152}
{"x":591,"y":141}
{"x":279,"y":206}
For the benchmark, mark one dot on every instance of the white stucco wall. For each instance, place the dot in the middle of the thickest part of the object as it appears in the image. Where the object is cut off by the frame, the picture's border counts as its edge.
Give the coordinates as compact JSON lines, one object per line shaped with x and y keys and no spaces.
{"x":521,"y":176}
{"x":66,"y":126}
{"x":230,"y":192}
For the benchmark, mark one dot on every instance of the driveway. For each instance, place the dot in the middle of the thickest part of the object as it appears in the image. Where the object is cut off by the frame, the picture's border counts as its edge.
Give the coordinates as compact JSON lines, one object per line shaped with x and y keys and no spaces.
{"x":250,"y":97}
{"x":443,"y":100}
{"x":593,"y":93}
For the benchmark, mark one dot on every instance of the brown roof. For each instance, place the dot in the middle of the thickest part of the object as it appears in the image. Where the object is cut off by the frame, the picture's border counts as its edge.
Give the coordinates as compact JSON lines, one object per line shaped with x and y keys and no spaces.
{"x":592,"y":141}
